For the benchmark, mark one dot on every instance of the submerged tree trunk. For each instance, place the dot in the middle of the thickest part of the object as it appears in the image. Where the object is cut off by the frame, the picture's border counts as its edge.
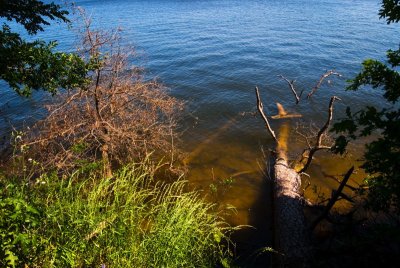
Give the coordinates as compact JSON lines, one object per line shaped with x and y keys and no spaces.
{"x":292,"y":239}
{"x":290,"y":231}
{"x":291,"y":234}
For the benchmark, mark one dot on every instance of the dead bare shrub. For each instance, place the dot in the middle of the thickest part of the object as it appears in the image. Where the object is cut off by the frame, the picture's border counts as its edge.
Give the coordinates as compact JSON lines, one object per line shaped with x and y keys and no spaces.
{"x":117,"y":118}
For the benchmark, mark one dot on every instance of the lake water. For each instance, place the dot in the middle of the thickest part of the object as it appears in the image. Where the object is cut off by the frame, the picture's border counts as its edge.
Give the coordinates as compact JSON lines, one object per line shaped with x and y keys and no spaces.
{"x":212,"y":53}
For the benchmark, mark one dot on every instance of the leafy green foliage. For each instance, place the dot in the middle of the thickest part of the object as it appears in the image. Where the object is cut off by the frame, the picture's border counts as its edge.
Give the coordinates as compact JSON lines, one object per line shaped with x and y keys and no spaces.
{"x":124,"y":221}
{"x":382,"y":157}
{"x":378,"y":74}
{"x":17,"y":216}
{"x":34,"y":65}
{"x":31,"y":13}
{"x":390,"y":10}
{"x":28,"y":66}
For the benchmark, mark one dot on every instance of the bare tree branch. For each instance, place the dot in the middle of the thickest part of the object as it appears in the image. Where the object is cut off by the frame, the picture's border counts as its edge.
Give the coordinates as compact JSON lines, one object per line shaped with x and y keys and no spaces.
{"x":334,"y":198}
{"x":260,"y":108}
{"x":328,"y":121}
{"x":321,"y":80}
{"x":318,"y":144}
{"x":291,"y":86}
{"x":326,"y":175}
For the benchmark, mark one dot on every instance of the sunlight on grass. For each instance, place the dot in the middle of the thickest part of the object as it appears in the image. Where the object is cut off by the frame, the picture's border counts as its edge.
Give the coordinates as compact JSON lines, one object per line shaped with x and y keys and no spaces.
{"x":128,"y":220}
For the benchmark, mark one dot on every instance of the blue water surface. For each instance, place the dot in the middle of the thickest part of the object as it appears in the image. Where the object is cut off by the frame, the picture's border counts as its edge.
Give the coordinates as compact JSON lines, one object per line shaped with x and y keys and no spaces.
{"x":212,"y":53}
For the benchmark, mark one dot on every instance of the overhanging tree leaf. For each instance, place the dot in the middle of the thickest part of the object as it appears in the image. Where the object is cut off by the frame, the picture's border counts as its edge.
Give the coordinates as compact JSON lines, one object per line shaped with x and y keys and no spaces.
{"x":28,"y":66}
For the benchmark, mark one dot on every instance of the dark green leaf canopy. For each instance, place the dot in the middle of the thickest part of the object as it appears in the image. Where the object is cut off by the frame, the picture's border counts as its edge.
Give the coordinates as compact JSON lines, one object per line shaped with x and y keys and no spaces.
{"x":28,"y":66}
{"x":32,"y":14}
{"x":390,"y":11}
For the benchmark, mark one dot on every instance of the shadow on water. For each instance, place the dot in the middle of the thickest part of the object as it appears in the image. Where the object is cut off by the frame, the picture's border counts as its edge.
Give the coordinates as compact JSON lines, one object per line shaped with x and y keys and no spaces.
{"x":252,"y":242}
{"x":232,"y":175}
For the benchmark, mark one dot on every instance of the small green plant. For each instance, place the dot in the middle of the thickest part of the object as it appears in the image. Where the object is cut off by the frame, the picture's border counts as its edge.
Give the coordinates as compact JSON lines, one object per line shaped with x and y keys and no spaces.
{"x":223,"y":184}
{"x":17,"y":216}
{"x":228,"y":181}
{"x":213,"y":188}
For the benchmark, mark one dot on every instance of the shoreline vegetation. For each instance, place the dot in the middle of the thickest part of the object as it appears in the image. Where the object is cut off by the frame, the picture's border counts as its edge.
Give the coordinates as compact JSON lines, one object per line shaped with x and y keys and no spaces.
{"x":99,"y":182}
{"x":131,"y":219}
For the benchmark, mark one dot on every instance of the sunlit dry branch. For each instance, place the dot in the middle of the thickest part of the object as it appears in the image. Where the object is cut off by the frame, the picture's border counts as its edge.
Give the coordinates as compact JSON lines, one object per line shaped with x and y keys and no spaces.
{"x":260,"y":108}
{"x":321,"y":80}
{"x":292,"y":88}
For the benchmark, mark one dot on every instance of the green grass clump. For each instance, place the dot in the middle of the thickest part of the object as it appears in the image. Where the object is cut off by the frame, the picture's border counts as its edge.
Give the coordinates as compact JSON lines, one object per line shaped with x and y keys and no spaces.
{"x":124,"y":221}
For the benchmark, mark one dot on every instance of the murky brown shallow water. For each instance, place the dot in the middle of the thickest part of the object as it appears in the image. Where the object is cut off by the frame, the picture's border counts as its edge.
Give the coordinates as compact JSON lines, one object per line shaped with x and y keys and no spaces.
{"x":234,"y":175}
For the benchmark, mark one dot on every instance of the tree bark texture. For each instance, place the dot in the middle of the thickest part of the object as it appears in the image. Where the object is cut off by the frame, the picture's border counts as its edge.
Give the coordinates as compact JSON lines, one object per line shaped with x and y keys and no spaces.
{"x":291,"y":233}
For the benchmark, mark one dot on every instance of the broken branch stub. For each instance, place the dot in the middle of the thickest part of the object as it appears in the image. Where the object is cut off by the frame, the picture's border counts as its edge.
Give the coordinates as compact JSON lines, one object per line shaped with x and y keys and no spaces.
{"x":283,"y":114}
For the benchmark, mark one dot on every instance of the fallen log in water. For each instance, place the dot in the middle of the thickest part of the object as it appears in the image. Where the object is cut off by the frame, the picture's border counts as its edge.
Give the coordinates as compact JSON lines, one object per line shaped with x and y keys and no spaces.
{"x":290,"y":231}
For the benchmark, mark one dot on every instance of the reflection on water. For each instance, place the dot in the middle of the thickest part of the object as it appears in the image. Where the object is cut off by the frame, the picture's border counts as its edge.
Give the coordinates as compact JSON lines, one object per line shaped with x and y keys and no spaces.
{"x":283,"y":138}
